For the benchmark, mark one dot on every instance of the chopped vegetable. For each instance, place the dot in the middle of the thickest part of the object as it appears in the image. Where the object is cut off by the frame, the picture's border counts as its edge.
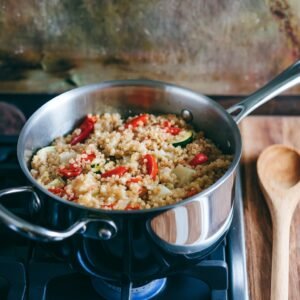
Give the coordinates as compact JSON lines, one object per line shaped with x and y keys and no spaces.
{"x":116,"y":171}
{"x":135,"y":122}
{"x":174,"y":130}
{"x":163,"y":190}
{"x":191,"y":193}
{"x":66,"y":156}
{"x":199,"y":159}
{"x":151,"y":165}
{"x":86,"y":127}
{"x":134,"y":180}
{"x":184,"y":174}
{"x":57,"y":191}
{"x":70,"y":171}
{"x":105,"y":206}
{"x":72,"y":198}
{"x":61,"y":193}
{"x":57,"y":182}
{"x":42,"y":153}
{"x":184,"y":138}
{"x":143,"y":191}
{"x":133,"y":207}
{"x":96,"y":168}
{"x":88,"y":157}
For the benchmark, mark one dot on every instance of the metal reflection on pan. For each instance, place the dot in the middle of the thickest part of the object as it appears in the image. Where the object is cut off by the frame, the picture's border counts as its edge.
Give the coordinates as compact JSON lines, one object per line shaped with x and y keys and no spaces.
{"x":190,"y":227}
{"x":185,"y":228}
{"x":185,"y":225}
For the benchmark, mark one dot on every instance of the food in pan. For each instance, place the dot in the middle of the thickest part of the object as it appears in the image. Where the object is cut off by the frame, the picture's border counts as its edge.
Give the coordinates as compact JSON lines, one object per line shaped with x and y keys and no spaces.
{"x":142,"y":162}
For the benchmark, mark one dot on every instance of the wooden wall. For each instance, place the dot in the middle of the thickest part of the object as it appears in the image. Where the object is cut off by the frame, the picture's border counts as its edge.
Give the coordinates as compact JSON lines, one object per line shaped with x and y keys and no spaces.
{"x":212,"y":46}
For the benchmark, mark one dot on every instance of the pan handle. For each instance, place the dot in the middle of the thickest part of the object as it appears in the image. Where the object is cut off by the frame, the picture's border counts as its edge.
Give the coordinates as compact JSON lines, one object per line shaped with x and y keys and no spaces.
{"x":36,"y":232}
{"x":282,"y":82}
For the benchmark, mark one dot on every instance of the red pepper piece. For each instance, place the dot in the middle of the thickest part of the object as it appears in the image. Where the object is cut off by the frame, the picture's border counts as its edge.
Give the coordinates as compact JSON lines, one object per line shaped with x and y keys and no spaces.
{"x":191,"y":193}
{"x":134,"y":180}
{"x":143,"y":191}
{"x":57,"y":191}
{"x":166,"y":124}
{"x":89,"y":157}
{"x":133,"y":207}
{"x":174,"y":130}
{"x":105,"y":206}
{"x":86,"y":127}
{"x":72,"y":198}
{"x":61,"y":192}
{"x":151,"y":165}
{"x":116,"y":171}
{"x":135,"y":122}
{"x":70,"y":171}
{"x":198,"y":159}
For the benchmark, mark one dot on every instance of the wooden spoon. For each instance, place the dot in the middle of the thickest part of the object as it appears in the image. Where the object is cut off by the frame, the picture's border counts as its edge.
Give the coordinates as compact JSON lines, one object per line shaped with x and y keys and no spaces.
{"x":278,"y":170}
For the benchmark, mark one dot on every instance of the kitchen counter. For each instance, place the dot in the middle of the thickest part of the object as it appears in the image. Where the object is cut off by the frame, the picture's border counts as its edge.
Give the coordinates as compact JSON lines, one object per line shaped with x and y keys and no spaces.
{"x":258,"y":132}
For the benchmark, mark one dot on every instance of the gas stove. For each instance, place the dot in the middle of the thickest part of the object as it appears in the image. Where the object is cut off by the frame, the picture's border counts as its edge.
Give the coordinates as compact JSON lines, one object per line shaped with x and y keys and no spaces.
{"x":34,"y":271}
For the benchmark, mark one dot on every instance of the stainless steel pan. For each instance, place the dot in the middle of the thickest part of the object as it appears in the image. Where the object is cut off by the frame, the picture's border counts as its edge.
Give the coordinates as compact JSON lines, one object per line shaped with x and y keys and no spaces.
{"x":190,"y":227}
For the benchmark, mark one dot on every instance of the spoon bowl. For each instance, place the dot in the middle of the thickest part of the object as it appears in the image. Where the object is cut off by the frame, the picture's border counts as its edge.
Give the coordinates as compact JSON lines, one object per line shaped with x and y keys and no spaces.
{"x":278,"y":169}
{"x":279,"y":166}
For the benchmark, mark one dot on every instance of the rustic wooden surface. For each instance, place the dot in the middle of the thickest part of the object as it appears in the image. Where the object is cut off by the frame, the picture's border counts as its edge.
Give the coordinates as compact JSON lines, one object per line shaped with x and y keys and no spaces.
{"x":259,"y":132}
{"x":221,"y":47}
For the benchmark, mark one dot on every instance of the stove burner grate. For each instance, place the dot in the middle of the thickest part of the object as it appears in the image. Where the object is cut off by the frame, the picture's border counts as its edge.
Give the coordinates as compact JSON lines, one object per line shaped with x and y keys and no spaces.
{"x":144,"y":292}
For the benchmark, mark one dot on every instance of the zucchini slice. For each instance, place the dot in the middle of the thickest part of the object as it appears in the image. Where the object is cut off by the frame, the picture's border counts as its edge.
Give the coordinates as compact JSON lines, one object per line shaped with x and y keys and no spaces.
{"x":96,"y":168}
{"x":163,"y":190}
{"x":183,"y":138}
{"x":184,"y":174}
{"x":57,"y":182}
{"x":43,"y":153}
{"x":66,"y":156}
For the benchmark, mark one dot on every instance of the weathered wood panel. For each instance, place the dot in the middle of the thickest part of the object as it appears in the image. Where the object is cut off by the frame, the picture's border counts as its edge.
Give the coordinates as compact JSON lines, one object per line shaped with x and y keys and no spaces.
{"x":212,"y":46}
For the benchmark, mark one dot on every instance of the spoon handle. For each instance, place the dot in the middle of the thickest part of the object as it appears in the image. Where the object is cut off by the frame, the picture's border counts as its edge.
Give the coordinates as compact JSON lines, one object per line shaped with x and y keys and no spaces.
{"x":282,"y":82}
{"x":280,"y":255}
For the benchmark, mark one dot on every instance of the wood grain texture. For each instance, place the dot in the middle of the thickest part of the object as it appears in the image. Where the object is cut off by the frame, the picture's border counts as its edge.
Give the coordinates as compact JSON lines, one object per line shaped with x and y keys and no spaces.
{"x":212,"y":46}
{"x":278,"y":169}
{"x":257,"y":134}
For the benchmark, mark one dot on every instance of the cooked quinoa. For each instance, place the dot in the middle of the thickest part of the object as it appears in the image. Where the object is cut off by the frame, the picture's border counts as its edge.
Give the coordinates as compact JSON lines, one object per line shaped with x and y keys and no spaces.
{"x":141,"y":162}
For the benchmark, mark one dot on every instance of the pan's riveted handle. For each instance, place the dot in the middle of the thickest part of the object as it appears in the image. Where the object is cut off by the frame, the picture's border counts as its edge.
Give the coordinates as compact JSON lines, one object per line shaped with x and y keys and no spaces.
{"x":40,"y":233}
{"x":285,"y":80}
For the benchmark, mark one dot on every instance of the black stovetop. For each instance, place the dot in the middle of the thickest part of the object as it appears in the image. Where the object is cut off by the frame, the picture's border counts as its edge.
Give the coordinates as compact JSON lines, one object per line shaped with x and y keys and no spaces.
{"x":34,"y":271}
